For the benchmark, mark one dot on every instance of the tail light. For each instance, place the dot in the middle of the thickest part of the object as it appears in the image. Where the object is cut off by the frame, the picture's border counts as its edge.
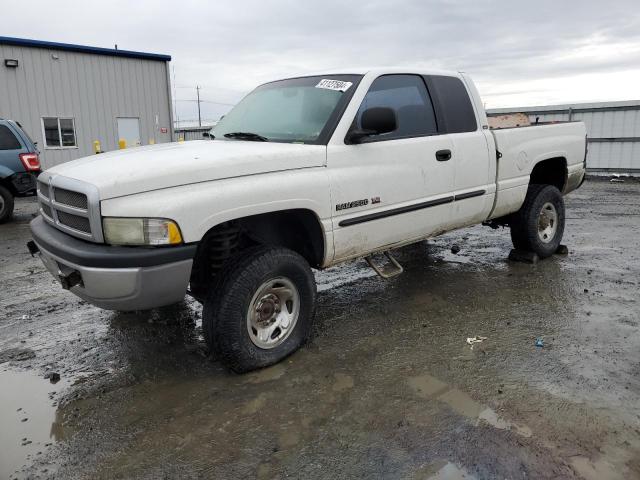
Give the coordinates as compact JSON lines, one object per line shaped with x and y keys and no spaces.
{"x":31,"y":161}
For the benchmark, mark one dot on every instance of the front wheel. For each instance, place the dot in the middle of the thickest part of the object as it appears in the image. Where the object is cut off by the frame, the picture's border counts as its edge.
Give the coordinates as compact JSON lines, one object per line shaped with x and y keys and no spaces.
{"x":261,"y":308}
{"x":539,"y":224}
{"x":6,"y":204}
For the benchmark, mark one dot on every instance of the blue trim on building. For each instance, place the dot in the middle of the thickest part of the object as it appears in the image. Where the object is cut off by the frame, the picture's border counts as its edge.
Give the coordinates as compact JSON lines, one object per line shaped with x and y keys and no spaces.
{"x":69,"y":47}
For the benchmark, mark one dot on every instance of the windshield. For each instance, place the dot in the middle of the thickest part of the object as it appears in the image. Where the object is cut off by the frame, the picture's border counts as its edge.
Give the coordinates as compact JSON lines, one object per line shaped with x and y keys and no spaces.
{"x":301,"y":110}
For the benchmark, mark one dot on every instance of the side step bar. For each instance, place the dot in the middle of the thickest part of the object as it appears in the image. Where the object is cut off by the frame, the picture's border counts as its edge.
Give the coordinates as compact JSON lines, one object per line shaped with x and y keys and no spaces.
{"x":392,"y":269}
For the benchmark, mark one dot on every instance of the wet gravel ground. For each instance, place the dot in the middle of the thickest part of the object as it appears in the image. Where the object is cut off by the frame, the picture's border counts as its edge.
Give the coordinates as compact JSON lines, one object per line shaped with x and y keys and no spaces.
{"x":387,"y":388}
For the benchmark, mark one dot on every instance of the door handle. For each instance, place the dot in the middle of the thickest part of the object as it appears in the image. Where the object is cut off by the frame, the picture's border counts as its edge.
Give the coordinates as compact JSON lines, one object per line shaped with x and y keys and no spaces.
{"x":443,"y":155}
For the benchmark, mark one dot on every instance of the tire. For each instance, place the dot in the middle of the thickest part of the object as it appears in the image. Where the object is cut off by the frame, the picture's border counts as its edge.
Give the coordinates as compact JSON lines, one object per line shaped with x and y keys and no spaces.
{"x":6,"y":205}
{"x":535,"y":231}
{"x":262,"y":290}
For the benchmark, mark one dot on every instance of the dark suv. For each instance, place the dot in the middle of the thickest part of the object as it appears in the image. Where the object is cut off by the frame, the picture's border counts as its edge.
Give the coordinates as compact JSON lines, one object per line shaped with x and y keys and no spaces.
{"x":19,"y":166}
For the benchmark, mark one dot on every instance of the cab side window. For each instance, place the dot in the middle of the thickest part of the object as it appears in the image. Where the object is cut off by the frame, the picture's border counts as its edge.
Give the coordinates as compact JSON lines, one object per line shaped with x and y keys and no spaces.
{"x":407,"y":95}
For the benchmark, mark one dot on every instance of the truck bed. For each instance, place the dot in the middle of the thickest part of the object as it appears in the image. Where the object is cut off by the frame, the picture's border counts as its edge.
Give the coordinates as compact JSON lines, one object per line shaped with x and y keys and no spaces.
{"x":520,"y":148}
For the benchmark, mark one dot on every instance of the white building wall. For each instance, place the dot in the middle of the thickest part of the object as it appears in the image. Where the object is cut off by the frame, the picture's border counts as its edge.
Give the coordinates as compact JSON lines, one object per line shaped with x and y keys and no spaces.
{"x":93,"y":89}
{"x":613,"y":130}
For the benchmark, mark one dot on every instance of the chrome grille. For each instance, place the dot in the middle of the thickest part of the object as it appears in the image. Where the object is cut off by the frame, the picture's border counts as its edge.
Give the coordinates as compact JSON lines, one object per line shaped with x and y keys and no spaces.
{"x":46,"y":209}
{"x":70,"y":205}
{"x":67,"y":197}
{"x":74,"y":221}
{"x":43,"y":188}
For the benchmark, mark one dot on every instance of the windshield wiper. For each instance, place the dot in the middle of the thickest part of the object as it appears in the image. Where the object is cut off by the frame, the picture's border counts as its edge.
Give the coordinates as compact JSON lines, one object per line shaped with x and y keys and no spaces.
{"x":254,"y":137}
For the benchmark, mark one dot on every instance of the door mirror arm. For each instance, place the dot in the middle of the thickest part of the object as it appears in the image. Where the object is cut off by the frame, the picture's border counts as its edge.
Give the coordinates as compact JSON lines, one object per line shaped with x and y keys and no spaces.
{"x":357,"y":135}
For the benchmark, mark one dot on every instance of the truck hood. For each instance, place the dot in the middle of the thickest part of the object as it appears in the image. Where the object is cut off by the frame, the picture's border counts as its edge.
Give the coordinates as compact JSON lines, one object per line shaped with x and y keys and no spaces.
{"x":141,"y":169}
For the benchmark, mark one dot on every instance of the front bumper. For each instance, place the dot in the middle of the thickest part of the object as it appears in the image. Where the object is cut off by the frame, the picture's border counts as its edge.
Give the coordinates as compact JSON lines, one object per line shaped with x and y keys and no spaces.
{"x":115,"y":278}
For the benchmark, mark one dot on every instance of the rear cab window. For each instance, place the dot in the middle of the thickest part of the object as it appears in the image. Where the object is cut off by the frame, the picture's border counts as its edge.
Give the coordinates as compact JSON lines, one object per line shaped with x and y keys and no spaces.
{"x":8,"y":140}
{"x":453,"y":105}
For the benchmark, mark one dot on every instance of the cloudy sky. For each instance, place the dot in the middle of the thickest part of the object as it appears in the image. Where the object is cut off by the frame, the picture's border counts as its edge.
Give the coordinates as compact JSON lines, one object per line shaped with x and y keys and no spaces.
{"x":520,"y":53}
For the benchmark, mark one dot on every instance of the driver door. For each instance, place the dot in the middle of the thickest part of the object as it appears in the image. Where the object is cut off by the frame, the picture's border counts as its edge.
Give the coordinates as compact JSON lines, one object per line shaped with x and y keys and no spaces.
{"x":396,"y":187}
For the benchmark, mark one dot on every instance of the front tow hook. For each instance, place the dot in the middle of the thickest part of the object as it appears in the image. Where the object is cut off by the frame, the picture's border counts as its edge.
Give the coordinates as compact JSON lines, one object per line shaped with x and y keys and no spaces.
{"x":33,"y":248}
{"x":70,"y":280}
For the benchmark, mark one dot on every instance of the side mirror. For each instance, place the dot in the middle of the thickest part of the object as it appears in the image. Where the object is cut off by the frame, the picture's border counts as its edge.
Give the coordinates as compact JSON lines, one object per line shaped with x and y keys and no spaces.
{"x":207,"y":135}
{"x":374,"y":121}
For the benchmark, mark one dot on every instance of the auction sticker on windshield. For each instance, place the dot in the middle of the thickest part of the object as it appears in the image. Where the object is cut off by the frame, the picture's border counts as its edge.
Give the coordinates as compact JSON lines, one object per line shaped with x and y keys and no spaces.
{"x":338,"y":85}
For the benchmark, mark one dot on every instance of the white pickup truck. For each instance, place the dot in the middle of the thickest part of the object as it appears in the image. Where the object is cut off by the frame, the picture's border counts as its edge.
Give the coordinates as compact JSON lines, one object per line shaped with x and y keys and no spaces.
{"x":303,"y":173}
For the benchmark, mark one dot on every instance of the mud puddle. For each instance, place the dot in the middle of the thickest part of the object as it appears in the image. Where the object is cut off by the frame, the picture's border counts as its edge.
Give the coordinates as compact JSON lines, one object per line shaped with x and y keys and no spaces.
{"x":444,"y":471}
{"x":28,"y":406}
{"x":429,"y":388}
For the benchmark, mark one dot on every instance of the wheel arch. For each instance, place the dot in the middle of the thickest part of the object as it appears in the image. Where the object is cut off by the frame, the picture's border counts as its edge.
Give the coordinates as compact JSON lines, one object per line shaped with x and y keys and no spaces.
{"x":298,"y":229}
{"x":5,"y":179}
{"x":550,"y":170}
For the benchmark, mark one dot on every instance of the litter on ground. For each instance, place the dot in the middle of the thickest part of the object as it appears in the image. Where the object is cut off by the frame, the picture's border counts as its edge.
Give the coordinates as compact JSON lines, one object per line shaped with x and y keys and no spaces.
{"x":473,"y":340}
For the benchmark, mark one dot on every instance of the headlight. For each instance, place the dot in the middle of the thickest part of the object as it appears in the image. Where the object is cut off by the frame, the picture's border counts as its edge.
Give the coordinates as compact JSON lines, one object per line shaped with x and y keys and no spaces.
{"x":140,"y":231}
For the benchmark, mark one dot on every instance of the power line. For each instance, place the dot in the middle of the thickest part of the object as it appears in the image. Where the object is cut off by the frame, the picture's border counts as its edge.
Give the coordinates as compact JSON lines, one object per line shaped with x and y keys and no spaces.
{"x":211,"y":87}
{"x":195,"y":119}
{"x":219,"y":103}
{"x":205,"y":101}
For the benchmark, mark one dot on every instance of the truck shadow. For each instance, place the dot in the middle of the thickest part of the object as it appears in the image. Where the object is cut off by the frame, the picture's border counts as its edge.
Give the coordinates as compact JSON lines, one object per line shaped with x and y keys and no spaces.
{"x":451,"y":300}
{"x":167,"y":339}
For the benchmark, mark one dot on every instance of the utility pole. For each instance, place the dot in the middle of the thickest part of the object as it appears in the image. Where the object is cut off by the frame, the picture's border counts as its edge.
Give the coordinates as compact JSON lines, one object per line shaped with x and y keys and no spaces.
{"x":176,"y":122}
{"x":199,"y":117}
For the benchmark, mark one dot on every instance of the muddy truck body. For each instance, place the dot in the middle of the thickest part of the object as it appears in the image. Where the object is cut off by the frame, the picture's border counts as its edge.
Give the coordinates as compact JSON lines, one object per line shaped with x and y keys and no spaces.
{"x":304,"y":173}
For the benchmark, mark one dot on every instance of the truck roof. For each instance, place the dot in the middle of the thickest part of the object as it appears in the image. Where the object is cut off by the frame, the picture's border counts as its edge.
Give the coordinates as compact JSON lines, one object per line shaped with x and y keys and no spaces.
{"x":382,"y":71}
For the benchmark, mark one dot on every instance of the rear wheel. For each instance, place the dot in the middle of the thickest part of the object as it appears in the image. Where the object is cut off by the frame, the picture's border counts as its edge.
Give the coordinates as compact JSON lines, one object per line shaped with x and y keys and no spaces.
{"x":6,"y":204}
{"x":260,"y":309}
{"x":538,"y":226}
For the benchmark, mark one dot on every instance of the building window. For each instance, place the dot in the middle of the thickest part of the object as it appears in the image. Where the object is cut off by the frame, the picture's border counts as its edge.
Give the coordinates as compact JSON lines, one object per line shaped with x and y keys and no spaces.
{"x":59,"y":132}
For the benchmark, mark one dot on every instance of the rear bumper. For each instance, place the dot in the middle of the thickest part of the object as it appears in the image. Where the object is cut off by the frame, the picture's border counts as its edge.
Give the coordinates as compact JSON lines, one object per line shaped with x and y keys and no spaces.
{"x":115,"y":278}
{"x":575,"y":177}
{"x":24,"y":183}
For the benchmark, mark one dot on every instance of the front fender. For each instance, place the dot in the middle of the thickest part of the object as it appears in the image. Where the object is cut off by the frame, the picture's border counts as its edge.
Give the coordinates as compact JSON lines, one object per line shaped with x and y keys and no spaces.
{"x":199,"y":207}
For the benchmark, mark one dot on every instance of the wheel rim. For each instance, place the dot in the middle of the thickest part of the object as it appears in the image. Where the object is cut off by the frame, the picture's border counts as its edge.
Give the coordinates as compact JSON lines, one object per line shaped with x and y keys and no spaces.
{"x":547,"y":223}
{"x":273,"y":312}
{"x":1,"y":205}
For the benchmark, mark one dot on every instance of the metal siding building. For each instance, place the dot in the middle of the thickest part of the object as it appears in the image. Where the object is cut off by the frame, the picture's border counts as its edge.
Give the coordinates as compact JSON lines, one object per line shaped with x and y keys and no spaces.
{"x":191,"y":133}
{"x":98,"y":92}
{"x":613,"y":130}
